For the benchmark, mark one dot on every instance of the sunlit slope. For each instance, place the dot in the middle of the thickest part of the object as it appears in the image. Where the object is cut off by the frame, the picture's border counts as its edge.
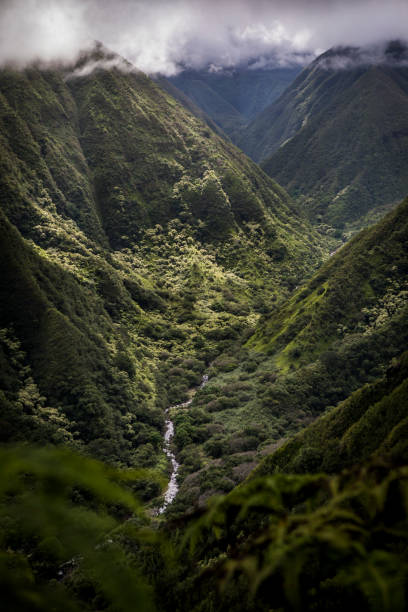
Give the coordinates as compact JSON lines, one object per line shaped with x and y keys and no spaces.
{"x":360,"y":291}
{"x":71,"y":372}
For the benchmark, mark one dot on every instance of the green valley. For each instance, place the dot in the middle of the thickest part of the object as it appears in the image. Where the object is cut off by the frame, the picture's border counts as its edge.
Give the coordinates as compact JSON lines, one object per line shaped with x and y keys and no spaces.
{"x":136,"y":246}
{"x":172,"y":319}
{"x":336,"y":333}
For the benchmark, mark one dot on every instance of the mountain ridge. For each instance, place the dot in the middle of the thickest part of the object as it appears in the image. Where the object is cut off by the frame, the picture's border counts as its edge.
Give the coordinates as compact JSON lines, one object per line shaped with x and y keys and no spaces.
{"x":336,"y":139}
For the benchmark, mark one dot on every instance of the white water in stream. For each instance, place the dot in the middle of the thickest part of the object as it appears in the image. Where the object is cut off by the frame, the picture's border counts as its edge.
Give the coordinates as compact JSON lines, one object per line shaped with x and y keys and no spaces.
{"x":172,"y":487}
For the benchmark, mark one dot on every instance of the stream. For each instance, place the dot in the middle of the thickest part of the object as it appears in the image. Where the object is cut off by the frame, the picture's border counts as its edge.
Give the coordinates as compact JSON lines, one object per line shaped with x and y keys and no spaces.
{"x":172,"y":487}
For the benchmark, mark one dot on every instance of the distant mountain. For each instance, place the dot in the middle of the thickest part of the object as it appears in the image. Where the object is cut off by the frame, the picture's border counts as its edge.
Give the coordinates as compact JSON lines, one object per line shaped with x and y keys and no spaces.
{"x":337,"y":139}
{"x":181,"y":97}
{"x":233,"y":97}
{"x":223,"y":113}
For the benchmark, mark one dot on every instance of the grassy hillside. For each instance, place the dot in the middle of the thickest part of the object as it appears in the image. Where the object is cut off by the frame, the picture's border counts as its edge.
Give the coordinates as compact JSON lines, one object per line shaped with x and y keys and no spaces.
{"x":358,"y":290}
{"x":337,"y":138}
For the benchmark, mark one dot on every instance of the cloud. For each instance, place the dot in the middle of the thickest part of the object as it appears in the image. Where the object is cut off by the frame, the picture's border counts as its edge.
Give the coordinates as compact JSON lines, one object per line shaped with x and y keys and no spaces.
{"x":167,"y":35}
{"x":84,"y":68}
{"x":41,"y":30}
{"x":346,"y":58}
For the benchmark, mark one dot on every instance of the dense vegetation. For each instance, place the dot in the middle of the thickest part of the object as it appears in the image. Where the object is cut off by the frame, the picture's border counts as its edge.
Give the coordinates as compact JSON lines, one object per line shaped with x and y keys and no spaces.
{"x":337,"y":137}
{"x":60,"y":546}
{"x":336,"y":333}
{"x":136,"y":245}
{"x":138,"y":250}
{"x":372,"y":420}
{"x":287,"y":542}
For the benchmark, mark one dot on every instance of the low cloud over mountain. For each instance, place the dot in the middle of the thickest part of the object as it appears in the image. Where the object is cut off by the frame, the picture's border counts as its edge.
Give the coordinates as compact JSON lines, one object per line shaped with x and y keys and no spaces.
{"x":163,"y":36}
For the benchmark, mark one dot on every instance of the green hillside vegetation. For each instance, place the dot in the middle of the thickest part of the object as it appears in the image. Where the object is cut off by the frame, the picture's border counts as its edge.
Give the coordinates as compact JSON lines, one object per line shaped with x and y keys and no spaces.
{"x":136,"y":245}
{"x":287,"y":542}
{"x":358,"y":290}
{"x":338,"y":332}
{"x":310,"y":93}
{"x":373,"y":420}
{"x":337,"y":139}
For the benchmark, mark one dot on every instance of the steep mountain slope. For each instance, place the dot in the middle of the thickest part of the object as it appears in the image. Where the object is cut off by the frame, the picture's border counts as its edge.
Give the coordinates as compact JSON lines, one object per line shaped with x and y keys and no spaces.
{"x":67,"y":373}
{"x":233,"y":97}
{"x":223,"y":113}
{"x":373,"y":420}
{"x":337,"y":138}
{"x":181,"y":97}
{"x":136,"y":245}
{"x":331,"y":337}
{"x":312,"y":90}
{"x":358,"y":290}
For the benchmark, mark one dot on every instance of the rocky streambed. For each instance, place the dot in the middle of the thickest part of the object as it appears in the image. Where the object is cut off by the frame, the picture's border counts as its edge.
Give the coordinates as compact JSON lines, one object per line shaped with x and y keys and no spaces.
{"x":172,"y":487}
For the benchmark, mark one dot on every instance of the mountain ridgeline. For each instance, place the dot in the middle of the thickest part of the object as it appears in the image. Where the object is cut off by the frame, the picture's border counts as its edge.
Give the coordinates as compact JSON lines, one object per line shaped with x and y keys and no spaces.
{"x":337,"y":137}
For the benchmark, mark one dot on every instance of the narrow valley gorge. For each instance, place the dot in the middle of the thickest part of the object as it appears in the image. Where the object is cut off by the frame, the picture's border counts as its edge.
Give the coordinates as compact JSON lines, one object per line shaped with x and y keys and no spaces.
{"x":203,"y":375}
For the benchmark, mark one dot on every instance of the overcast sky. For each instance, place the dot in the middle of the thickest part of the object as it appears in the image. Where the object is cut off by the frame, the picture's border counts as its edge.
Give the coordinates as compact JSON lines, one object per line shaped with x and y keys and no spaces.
{"x":161,"y":35}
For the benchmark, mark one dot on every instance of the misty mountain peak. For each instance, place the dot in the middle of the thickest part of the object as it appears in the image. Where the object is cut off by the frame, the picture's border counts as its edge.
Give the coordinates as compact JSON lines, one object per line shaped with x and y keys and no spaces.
{"x":394,"y":52}
{"x":98,"y":57}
